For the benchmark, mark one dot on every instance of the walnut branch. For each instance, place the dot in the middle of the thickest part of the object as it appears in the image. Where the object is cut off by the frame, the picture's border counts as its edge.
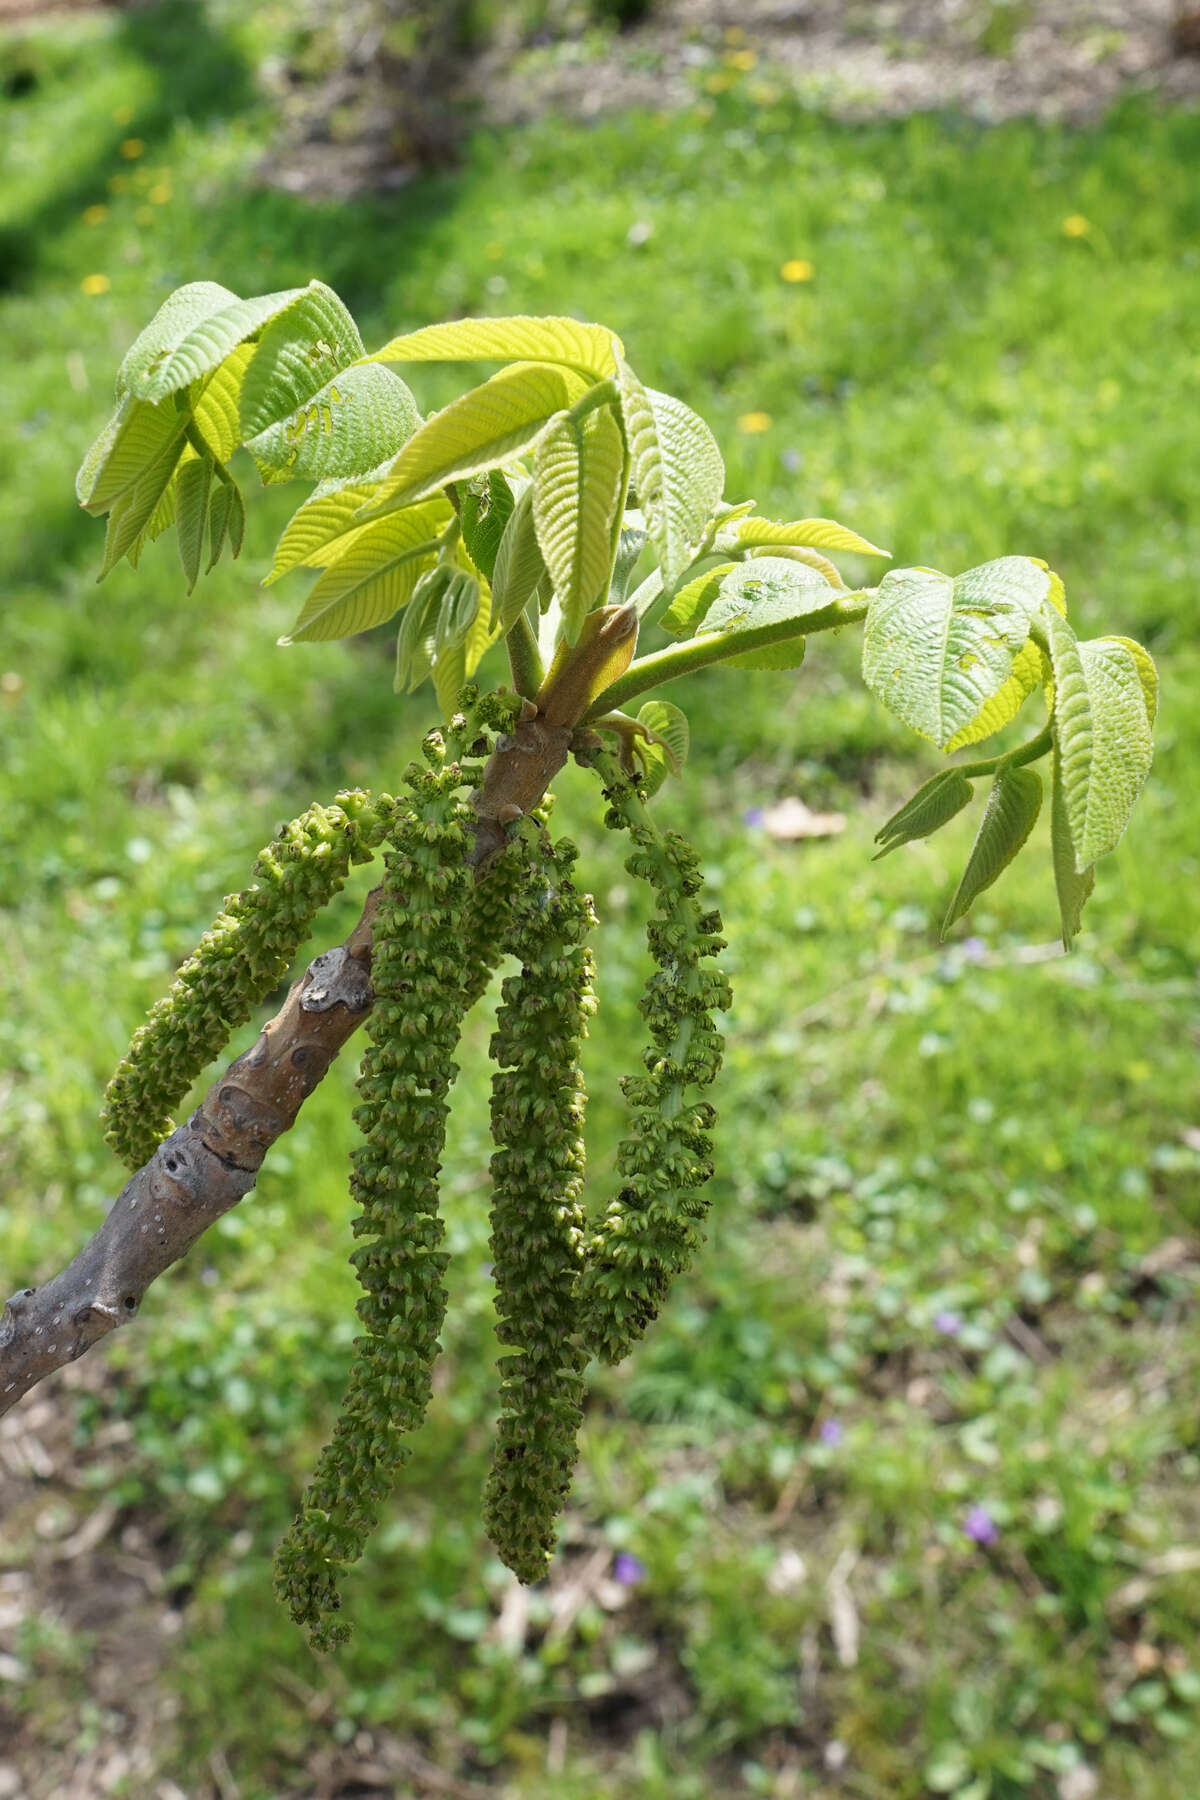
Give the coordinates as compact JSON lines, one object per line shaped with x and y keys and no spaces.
{"x":209,"y":1164}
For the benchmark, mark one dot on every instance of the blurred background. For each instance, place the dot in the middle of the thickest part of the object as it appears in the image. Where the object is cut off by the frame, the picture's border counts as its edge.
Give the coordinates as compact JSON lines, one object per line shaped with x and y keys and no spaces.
{"x":900,"y":1497}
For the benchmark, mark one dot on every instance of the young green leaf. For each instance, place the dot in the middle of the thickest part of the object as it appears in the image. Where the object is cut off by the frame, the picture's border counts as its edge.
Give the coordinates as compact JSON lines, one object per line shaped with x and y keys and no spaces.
{"x":193,"y":330}
{"x":670,"y":739}
{"x":191,"y":514}
{"x":1073,"y":887}
{"x":1102,"y":731}
{"x":485,"y":506}
{"x":812,"y":558}
{"x":219,"y":506}
{"x":215,"y":403}
{"x":766,"y":591}
{"x":372,"y":576}
{"x":132,"y":515}
{"x":630,"y":544}
{"x":812,"y":534}
{"x":1009,"y":817}
{"x":1029,"y":671}
{"x":297,"y":354}
{"x":323,"y":526}
{"x":689,"y":605}
{"x":519,"y":564}
{"x":933,"y":805}
{"x":586,"y":348}
{"x":577,"y":479}
{"x":486,"y":427}
{"x":237,"y":520}
{"x":676,"y":469}
{"x":139,"y":438}
{"x":349,"y":427}
{"x":936,"y":648}
{"x":414,"y":640}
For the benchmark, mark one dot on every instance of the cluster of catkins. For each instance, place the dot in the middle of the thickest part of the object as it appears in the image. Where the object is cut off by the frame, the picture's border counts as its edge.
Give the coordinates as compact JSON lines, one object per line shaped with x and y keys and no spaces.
{"x":567,"y":1288}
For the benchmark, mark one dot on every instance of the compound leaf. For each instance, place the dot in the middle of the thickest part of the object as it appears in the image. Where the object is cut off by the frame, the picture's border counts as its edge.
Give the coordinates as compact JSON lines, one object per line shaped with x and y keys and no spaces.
{"x":676,"y":469}
{"x":577,"y":475}
{"x":488,"y":426}
{"x":1102,"y":729}
{"x":936,"y":648}
{"x":587,"y":348}
{"x":1008,"y":818}
{"x":350,"y":426}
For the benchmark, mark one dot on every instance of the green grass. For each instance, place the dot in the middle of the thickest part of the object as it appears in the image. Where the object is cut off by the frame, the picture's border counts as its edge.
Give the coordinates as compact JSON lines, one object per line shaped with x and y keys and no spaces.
{"x":908,"y":1131}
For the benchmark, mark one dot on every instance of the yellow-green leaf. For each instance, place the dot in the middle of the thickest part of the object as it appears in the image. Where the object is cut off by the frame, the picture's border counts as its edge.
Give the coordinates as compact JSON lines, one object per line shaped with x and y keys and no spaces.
{"x":1029,"y":671}
{"x":577,"y":477}
{"x":351,"y":426}
{"x":812,"y":534}
{"x":666,"y":752}
{"x":1073,"y":886}
{"x":690,"y":604}
{"x":490,"y":425}
{"x":1103,"y":733}
{"x":372,"y":578}
{"x":1008,"y":818}
{"x":297,"y":355}
{"x":676,"y":469}
{"x":135,"y":441}
{"x":937,"y":648}
{"x":519,"y":566}
{"x":191,"y":514}
{"x":215,"y":405}
{"x":193,"y":330}
{"x":588,"y":348}
{"x":323,"y":528}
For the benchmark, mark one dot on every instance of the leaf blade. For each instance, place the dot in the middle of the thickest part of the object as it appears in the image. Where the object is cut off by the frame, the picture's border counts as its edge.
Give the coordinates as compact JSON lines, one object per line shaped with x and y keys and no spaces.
{"x":1011,"y":812}
{"x":676,"y":468}
{"x":520,"y":338}
{"x":372,"y":578}
{"x":577,"y":480}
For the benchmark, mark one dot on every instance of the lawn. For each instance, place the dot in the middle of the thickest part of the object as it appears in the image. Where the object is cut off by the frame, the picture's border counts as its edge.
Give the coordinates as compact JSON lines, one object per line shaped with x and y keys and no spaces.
{"x":908,"y":1468}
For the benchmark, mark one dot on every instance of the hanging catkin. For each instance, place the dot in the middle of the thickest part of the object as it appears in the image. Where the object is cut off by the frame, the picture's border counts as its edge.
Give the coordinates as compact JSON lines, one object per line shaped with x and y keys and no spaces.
{"x":245,"y":953}
{"x":406,"y":1076}
{"x":537,"y":1218}
{"x":652,"y":1228}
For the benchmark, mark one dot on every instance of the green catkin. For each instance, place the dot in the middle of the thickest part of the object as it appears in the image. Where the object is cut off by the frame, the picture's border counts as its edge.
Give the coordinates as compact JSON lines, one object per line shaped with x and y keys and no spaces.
{"x":653,"y":1227}
{"x":537,"y":1217}
{"x":406,"y":1076}
{"x":245,"y":953}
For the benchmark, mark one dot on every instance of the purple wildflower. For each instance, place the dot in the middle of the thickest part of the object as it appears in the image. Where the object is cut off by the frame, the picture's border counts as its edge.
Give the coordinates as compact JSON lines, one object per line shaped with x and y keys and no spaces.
{"x":791,"y":460}
{"x":974,"y":950}
{"x":754,"y":815}
{"x":628,"y":1569}
{"x":948,"y":1323}
{"x":832,"y":1433}
{"x":980,"y":1526}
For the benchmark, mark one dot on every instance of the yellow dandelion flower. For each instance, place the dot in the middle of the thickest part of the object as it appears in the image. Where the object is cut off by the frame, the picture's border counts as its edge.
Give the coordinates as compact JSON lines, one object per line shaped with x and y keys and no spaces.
{"x":797,"y":268}
{"x":752,"y":423}
{"x":493,"y":251}
{"x":11,"y":683}
{"x":95,"y":284}
{"x":122,"y":115}
{"x":94,"y":215}
{"x":741,"y":60}
{"x":159,"y":194}
{"x":118,"y":184}
{"x":764,"y":93}
{"x":132,"y":148}
{"x":717,"y":82}
{"x":1075,"y":225}
{"x":734,"y":34}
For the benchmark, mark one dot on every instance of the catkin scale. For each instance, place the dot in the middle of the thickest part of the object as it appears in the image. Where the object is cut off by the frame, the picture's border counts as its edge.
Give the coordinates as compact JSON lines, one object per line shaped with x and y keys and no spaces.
{"x":406,"y":1075}
{"x":537,"y":1218}
{"x":243,"y":955}
{"x":652,"y":1228}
